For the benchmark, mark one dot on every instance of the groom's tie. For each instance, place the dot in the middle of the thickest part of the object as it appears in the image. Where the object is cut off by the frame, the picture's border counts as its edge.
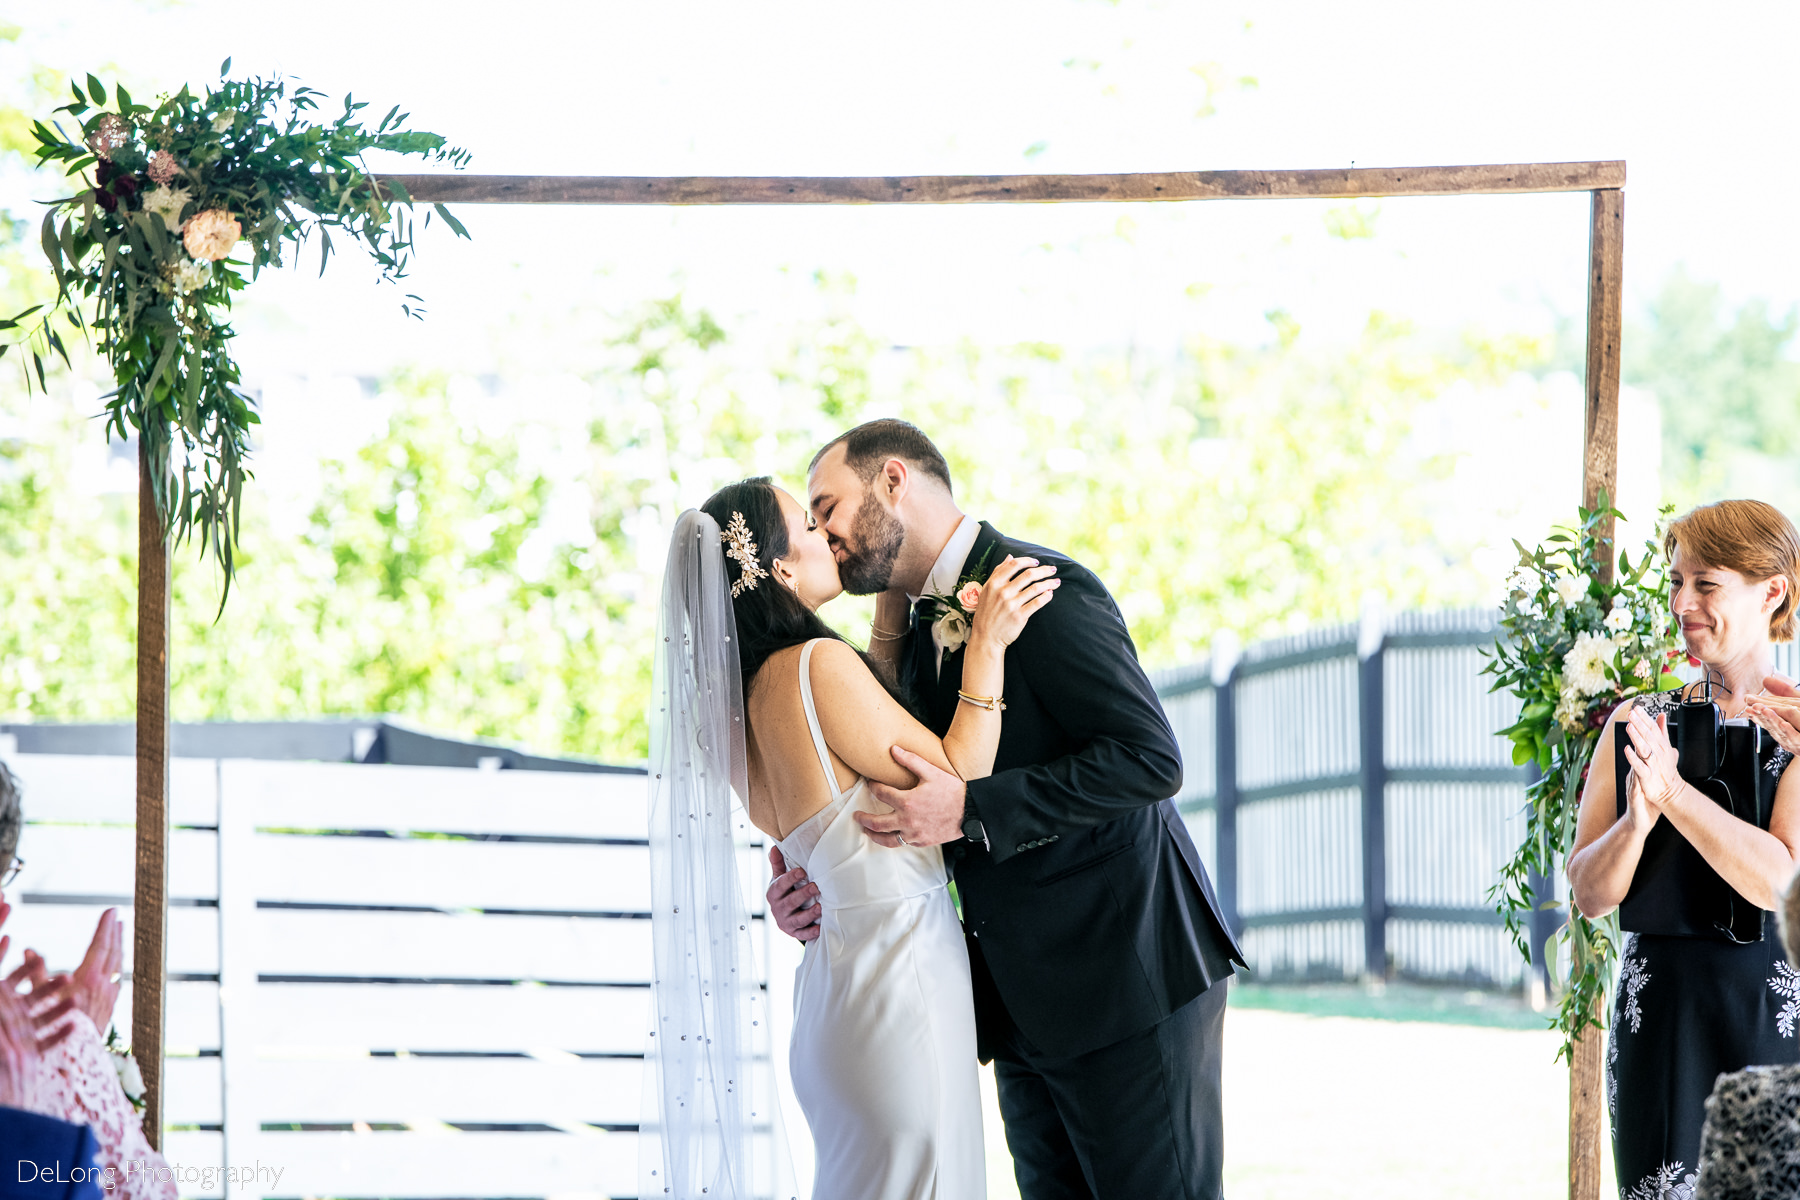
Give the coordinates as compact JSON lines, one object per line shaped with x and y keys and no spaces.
{"x":924,"y":650}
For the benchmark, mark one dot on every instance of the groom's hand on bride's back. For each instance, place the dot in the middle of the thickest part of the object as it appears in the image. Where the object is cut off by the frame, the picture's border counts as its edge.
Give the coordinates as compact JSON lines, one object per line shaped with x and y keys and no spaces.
{"x":793,"y":902}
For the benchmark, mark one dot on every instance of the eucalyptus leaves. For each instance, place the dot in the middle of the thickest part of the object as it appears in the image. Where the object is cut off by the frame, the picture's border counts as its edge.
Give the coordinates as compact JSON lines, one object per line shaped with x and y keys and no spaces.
{"x":1574,"y":647}
{"x":177,"y":199}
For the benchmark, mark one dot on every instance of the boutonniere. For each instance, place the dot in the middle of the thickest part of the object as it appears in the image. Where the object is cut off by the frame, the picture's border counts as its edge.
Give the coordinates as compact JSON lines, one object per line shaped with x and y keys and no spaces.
{"x":955,"y":612}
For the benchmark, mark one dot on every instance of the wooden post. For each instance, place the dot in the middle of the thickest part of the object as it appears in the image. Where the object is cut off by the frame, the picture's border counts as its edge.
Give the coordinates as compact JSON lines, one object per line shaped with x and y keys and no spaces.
{"x":150,"y":911}
{"x":1606,"y":272}
{"x":1600,"y":473}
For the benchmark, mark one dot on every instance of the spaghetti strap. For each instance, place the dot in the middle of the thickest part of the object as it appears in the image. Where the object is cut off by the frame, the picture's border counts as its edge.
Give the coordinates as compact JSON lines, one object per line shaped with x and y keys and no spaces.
{"x":812,"y":717}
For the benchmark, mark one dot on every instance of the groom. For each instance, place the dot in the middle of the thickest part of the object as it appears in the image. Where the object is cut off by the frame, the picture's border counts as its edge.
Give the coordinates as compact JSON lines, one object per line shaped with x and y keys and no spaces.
{"x":1098,"y":952}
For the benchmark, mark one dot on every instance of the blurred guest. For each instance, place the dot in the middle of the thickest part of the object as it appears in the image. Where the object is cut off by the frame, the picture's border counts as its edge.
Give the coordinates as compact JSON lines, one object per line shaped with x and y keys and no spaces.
{"x":36,"y":1145}
{"x":1750,"y":1149}
{"x":78,"y":1079}
{"x":1693,"y":1002}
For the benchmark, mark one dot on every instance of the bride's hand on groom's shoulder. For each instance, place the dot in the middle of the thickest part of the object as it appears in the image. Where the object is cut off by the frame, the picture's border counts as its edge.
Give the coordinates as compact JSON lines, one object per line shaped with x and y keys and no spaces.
{"x":1017,"y":588}
{"x":793,"y":902}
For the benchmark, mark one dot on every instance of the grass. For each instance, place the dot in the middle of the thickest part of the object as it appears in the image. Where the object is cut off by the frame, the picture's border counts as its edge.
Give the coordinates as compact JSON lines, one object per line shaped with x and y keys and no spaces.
{"x":1393,"y":1002}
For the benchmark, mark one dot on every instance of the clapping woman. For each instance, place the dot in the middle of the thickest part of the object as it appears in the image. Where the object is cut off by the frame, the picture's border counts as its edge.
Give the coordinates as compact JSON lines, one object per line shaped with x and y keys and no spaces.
{"x":75,"y":1080}
{"x":1689,"y":1008}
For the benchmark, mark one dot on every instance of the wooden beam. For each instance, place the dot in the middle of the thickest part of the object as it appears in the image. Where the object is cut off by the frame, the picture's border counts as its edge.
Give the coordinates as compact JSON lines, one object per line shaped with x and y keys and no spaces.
{"x":1014,"y":189}
{"x":150,"y":911}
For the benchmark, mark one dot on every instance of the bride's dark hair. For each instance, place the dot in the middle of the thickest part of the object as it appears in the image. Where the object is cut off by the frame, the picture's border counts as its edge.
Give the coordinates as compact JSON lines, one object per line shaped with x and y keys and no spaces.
{"x":770,"y":617}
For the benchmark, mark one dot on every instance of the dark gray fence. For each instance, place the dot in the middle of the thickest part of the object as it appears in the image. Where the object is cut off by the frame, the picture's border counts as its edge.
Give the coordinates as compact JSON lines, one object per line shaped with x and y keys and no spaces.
{"x":1349,"y":795}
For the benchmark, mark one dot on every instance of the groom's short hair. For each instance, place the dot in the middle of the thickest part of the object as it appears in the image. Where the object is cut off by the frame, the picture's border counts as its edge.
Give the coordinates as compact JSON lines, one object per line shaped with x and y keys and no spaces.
{"x":874,"y":442}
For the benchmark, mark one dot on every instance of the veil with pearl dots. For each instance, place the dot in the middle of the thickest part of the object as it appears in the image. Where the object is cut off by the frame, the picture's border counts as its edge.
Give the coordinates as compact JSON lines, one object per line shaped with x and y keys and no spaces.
{"x":710,"y":1125}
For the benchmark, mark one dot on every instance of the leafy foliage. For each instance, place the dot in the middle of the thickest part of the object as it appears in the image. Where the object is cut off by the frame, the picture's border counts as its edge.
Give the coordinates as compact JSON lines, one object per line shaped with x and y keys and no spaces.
{"x":1577,"y":641}
{"x":168,"y":190}
{"x":440,"y":576}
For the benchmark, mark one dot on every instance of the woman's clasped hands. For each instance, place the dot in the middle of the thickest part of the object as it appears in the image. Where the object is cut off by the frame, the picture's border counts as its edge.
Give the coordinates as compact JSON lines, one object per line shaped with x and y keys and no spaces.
{"x":1655,"y":780}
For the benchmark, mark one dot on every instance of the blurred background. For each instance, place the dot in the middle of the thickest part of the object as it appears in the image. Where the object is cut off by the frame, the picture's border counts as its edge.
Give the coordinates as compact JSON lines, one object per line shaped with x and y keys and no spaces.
{"x":1252,"y":419}
{"x":1246,"y":417}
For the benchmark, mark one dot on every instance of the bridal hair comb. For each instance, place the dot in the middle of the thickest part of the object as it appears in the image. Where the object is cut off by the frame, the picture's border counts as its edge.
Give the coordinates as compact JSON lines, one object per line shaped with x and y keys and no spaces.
{"x":739,"y":545}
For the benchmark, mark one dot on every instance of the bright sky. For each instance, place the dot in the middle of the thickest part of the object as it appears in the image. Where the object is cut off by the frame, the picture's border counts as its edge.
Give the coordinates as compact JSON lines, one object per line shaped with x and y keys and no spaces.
{"x":1699,"y":108}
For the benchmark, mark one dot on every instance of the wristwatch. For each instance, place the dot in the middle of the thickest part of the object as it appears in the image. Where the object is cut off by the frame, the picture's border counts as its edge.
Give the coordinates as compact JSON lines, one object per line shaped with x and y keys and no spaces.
{"x":972,"y":828}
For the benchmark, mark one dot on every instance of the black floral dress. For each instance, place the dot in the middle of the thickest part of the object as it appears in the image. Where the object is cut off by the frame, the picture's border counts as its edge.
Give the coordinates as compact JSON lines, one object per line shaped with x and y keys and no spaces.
{"x":1687,"y":1010}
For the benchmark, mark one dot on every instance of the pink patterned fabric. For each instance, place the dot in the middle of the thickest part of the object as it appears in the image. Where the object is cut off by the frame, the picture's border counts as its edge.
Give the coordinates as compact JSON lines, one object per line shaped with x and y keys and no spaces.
{"x":80,"y":1085}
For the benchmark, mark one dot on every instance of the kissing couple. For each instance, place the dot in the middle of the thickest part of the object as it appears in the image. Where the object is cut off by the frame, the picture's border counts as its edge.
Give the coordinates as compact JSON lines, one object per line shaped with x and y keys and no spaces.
{"x":1000,"y":732}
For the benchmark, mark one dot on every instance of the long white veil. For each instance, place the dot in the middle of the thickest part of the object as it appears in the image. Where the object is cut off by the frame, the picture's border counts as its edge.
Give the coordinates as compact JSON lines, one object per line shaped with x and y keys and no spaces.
{"x":711,"y":1125}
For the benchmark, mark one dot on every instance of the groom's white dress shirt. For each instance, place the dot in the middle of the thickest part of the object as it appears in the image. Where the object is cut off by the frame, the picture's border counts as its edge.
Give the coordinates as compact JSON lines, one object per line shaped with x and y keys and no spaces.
{"x":948,"y":567}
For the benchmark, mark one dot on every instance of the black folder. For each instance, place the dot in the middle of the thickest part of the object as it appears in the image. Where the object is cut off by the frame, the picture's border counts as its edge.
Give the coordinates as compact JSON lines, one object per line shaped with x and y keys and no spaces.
{"x":1675,"y":891}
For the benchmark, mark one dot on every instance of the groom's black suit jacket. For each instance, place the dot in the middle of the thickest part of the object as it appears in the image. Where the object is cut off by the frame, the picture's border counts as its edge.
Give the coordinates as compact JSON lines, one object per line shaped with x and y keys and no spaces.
{"x":1090,"y":917}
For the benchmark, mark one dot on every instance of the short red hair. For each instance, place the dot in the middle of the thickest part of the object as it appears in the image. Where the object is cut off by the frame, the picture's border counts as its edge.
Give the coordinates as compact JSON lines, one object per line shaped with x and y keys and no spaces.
{"x":1749,"y":537}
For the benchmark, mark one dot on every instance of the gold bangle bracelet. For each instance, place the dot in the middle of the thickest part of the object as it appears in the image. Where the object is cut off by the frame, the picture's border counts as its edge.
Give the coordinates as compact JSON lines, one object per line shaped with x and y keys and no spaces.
{"x":991,"y":703}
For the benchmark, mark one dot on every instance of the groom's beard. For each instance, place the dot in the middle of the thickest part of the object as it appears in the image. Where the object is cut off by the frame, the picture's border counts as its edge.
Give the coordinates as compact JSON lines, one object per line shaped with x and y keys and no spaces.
{"x":874,"y":543}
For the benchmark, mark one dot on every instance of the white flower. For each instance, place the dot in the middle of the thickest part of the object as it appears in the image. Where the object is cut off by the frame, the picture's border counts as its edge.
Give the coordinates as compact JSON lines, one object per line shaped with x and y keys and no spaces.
{"x":950,"y":631}
{"x":1621,"y":618}
{"x":167,"y":203}
{"x":1643,"y":670}
{"x":131,"y":1080}
{"x":1584,"y":666}
{"x":191,"y":274}
{"x":1571,"y":710}
{"x":1571,"y":588}
{"x":223,"y":121}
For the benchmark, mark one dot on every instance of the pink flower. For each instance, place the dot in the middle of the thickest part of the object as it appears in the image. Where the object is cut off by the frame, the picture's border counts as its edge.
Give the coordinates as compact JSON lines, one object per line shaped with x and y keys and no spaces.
{"x":211,"y":234}
{"x":969,"y":596}
{"x":163,"y":167}
{"x":110,"y":132}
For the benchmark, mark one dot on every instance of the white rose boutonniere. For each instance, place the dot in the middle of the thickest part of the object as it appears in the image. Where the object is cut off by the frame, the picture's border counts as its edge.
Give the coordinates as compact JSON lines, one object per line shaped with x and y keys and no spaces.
{"x":950,"y":631}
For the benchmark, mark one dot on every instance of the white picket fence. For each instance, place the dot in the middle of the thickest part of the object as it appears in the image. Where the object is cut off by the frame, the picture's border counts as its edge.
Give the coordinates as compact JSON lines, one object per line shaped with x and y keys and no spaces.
{"x":384,"y":980}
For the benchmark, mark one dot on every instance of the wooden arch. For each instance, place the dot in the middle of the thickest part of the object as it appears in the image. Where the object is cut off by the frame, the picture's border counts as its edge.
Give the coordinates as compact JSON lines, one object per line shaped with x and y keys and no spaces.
{"x":1605,"y":180}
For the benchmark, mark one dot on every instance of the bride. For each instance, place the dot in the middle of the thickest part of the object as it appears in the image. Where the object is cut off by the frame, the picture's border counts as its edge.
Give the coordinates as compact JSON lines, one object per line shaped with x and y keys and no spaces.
{"x":755,"y":693}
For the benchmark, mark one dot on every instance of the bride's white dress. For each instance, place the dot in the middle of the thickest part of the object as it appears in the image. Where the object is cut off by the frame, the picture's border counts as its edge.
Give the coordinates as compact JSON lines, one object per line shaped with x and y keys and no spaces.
{"x":883,"y":1054}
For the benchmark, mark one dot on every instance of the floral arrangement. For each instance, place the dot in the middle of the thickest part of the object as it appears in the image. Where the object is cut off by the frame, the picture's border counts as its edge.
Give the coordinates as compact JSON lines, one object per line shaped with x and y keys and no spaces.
{"x":176,"y":201}
{"x":955,"y":613}
{"x":131,"y":1081}
{"x":1575,"y":645}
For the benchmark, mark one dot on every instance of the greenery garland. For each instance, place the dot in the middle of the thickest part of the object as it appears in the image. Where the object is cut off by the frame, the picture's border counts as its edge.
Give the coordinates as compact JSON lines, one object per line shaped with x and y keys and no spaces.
{"x":169,"y":194}
{"x":1573,"y":648}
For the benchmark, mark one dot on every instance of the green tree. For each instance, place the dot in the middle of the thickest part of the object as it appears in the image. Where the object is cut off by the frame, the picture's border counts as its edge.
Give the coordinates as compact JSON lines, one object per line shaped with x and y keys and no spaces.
{"x":1249,"y":489}
{"x":1728,"y":390}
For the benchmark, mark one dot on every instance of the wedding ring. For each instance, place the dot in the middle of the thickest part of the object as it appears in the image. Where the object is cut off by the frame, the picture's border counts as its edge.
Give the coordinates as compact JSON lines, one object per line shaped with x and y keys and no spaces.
{"x":901,"y":836}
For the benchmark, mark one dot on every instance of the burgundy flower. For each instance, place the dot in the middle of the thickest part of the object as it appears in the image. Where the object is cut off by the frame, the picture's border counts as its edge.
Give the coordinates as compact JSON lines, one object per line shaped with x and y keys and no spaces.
{"x":106,"y":200}
{"x":104,"y":171}
{"x":124,"y":185}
